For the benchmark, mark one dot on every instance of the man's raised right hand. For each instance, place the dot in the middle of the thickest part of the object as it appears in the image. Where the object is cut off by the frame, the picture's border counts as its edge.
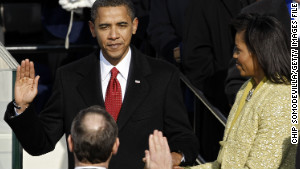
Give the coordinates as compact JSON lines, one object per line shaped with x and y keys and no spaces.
{"x":26,"y":85}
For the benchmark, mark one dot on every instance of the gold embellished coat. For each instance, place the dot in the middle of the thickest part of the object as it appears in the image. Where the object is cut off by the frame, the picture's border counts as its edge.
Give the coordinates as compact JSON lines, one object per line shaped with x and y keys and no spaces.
{"x":261,"y":136}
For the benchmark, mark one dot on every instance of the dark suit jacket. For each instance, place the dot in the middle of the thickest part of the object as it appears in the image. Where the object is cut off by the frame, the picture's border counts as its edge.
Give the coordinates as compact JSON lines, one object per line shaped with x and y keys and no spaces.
{"x":140,"y":40}
{"x":207,"y":49}
{"x":166,"y":26}
{"x":276,"y":8}
{"x":207,"y":46}
{"x":154,"y":103}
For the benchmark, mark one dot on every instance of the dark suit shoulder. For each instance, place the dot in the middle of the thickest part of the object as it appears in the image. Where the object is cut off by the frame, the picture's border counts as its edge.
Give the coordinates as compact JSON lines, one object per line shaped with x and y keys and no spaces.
{"x":147,"y":64}
{"x":158,"y":63}
{"x":81,"y":65}
{"x":161,"y":65}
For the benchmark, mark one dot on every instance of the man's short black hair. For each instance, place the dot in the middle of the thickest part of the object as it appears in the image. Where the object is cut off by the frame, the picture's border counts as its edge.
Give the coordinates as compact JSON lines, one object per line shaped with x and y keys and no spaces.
{"x":93,"y":146}
{"x":112,"y":3}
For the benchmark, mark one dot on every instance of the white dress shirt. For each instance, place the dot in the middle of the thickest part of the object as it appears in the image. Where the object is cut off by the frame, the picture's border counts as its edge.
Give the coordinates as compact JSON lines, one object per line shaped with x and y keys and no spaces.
{"x":123,"y":68}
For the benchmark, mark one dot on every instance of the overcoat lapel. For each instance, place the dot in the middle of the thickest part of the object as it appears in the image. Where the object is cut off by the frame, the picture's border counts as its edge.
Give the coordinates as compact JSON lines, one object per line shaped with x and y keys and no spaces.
{"x":89,"y":87}
{"x":137,"y":87}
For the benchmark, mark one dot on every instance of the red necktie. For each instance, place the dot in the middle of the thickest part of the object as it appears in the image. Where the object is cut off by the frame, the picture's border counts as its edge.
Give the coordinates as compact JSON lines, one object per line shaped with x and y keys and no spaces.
{"x":113,"y":98}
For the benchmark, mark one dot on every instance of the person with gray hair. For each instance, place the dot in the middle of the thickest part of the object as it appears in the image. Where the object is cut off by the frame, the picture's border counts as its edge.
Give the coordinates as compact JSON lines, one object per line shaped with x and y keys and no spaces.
{"x":94,"y":138}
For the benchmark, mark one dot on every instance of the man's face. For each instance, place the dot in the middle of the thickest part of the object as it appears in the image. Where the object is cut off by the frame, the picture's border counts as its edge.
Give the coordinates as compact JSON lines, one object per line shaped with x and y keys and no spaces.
{"x":113,"y":28}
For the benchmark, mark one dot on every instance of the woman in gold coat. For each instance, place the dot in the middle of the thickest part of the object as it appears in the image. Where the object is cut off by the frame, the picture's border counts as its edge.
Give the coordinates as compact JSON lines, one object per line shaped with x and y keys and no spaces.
{"x":258,"y":131}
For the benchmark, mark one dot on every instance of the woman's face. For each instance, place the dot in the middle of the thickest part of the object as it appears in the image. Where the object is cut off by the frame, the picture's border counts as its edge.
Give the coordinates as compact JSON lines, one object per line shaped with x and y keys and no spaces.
{"x":246,"y":63}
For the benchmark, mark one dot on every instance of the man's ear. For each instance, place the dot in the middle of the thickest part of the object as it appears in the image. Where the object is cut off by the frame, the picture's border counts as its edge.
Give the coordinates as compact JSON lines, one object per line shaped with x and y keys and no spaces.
{"x":135,"y":24}
{"x":92,"y":28}
{"x":70,"y":143}
{"x":116,"y":146}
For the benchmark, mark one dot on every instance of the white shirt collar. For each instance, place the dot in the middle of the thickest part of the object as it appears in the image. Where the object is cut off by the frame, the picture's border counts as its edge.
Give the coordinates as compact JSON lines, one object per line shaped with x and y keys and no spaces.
{"x":122,"y":66}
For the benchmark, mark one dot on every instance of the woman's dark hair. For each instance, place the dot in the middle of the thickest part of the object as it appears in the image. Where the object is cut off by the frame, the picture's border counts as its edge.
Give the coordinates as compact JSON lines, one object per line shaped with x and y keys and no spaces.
{"x":266,"y":39}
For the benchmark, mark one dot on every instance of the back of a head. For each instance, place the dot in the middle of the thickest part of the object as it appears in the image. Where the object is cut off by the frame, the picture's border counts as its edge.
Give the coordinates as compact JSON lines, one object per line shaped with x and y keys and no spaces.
{"x":94,"y":133}
{"x":267,"y":40}
{"x":112,"y":3}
